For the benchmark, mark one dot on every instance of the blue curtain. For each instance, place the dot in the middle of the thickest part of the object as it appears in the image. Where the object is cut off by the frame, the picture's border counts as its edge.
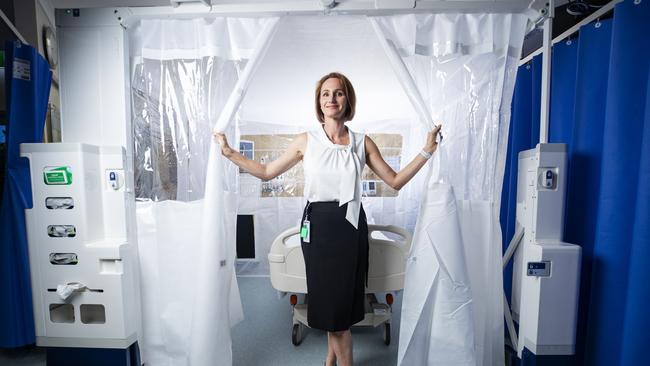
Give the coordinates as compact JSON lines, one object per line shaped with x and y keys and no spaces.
{"x":27,"y":81}
{"x":600,"y":107}
{"x":585,"y":154}
{"x":523,"y":135}
{"x":520,"y":138}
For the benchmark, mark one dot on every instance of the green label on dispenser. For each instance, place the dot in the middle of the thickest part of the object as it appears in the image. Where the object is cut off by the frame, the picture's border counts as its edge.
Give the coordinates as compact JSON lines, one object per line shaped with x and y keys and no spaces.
{"x":57,"y":175}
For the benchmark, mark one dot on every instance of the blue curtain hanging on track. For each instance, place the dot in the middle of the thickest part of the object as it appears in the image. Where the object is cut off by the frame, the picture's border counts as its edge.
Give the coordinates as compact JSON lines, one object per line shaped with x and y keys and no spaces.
{"x":27,"y":80}
{"x":600,"y":107}
{"x":522,"y":136}
{"x":613,"y":335}
{"x":585,"y":154}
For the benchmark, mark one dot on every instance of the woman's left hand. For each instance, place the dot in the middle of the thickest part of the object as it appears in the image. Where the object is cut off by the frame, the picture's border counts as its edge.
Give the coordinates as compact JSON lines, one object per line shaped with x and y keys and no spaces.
{"x":432,"y":144}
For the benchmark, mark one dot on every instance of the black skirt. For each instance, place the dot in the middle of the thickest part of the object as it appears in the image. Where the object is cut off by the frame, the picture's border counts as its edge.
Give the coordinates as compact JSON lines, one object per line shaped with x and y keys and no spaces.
{"x":336,"y":264}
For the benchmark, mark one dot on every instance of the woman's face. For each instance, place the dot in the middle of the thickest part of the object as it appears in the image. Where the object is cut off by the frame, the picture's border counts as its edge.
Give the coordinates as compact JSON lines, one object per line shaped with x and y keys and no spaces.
{"x":333,"y":101}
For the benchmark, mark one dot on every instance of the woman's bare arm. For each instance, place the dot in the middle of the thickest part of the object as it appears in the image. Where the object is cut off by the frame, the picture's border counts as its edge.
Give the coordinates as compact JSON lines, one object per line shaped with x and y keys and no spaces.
{"x":286,"y":161}
{"x":397,"y":180}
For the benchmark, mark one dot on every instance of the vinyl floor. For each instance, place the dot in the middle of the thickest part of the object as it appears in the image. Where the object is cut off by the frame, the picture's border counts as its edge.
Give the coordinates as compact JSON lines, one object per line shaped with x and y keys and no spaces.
{"x":264,"y":337}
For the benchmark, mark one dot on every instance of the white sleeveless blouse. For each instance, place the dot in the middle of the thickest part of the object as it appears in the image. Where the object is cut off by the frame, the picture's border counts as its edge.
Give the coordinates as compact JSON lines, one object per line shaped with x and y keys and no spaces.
{"x":333,"y":172}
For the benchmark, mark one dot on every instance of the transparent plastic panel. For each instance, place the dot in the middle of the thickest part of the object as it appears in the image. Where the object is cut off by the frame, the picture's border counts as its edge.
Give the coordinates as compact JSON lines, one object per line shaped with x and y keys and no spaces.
{"x":175,"y":105}
{"x":463,"y":68}
{"x":460,"y":93}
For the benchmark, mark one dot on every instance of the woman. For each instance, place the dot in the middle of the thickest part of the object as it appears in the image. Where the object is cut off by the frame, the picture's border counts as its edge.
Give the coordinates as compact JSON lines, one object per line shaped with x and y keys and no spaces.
{"x":334,"y":230}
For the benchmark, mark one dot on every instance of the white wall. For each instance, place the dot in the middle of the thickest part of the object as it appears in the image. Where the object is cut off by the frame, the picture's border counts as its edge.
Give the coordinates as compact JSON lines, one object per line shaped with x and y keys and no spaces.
{"x":95,"y":98}
{"x":306,"y":48}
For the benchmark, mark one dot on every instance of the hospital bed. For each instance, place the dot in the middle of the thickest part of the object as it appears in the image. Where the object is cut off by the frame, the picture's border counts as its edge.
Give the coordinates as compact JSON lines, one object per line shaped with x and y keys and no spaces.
{"x":389,"y":248}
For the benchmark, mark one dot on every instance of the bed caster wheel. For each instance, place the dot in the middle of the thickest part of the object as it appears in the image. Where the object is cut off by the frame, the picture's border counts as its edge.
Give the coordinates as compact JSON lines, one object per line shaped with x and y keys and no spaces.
{"x":387,"y":334}
{"x":296,"y":335}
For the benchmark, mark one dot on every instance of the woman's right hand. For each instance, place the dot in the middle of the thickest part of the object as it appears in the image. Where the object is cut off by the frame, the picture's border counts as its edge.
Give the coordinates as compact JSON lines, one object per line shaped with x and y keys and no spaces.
{"x":220,"y":138}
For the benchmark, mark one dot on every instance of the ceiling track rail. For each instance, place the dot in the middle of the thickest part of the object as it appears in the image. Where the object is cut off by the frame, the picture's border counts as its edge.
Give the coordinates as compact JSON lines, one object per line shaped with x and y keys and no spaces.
{"x":369,"y":7}
{"x":594,"y":16}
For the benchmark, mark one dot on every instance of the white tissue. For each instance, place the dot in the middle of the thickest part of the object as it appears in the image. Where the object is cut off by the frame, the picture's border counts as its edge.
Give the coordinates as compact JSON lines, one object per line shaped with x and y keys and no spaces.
{"x":64,"y":291}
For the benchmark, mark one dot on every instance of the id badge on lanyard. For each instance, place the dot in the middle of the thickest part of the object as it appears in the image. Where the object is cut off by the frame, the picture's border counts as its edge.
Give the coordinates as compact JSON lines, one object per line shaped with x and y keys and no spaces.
{"x":305,"y":231}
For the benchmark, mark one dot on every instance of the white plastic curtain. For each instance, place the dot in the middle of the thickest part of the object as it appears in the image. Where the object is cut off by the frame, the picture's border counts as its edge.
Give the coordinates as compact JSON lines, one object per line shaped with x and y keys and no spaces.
{"x":185,"y":74}
{"x":459,"y":70}
{"x":190,"y":73}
